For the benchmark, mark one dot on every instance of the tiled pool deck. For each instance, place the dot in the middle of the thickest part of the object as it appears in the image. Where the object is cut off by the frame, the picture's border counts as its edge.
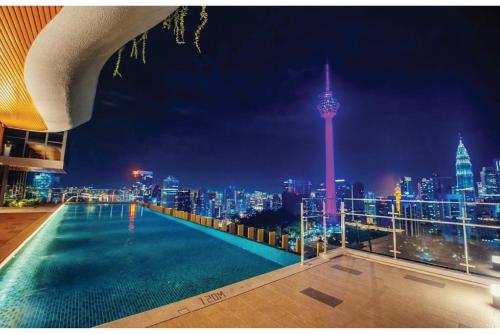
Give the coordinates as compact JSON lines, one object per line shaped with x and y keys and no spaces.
{"x":346,"y":291}
{"x":17,"y":224}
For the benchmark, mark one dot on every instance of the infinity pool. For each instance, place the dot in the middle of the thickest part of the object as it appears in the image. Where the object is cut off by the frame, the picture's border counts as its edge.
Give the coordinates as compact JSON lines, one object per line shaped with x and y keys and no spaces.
{"x":92,"y":264}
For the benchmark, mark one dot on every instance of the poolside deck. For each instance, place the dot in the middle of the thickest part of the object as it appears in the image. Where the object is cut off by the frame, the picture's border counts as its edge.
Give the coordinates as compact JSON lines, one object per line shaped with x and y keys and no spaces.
{"x":348,"y":291}
{"x":17,"y":224}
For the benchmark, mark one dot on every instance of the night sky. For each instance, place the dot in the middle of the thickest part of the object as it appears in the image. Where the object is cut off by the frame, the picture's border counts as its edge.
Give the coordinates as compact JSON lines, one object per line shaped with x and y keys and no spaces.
{"x":244,"y":112}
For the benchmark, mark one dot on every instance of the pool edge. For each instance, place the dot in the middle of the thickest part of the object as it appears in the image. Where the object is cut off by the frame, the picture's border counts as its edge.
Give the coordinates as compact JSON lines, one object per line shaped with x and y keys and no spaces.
{"x":170,"y":311}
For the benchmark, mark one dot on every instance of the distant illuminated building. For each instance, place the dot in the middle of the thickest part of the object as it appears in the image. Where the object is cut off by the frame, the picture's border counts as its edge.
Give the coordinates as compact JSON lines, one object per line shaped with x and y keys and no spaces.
{"x":293,"y":193}
{"x":343,"y":192}
{"x":358,"y":192}
{"x":201,"y":202}
{"x":320,"y":191}
{"x":370,"y":204}
{"x":465,"y":177}
{"x":397,"y":195}
{"x":229,"y":201}
{"x":426,"y":194}
{"x":42,"y":180}
{"x":183,"y":200}
{"x":142,"y":185}
{"x":169,"y":192}
{"x":382,"y":208}
{"x":489,"y":182}
{"x":406,"y":186}
{"x":276,"y":202}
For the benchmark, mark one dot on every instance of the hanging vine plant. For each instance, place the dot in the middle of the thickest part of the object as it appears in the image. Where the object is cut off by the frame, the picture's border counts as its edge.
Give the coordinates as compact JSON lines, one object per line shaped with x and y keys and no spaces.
{"x":178,"y":29}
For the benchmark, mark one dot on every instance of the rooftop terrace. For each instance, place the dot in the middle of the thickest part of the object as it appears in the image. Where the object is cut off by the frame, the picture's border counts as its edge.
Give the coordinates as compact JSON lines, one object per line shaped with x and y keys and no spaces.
{"x":344,"y":291}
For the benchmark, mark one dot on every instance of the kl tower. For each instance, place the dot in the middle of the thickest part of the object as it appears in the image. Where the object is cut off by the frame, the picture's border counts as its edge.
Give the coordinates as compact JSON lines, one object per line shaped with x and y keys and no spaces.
{"x":328,"y":107}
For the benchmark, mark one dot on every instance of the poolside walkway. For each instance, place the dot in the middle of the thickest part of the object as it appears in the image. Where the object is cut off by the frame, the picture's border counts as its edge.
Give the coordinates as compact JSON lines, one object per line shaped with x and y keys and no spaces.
{"x":17,"y":224}
{"x":348,"y":291}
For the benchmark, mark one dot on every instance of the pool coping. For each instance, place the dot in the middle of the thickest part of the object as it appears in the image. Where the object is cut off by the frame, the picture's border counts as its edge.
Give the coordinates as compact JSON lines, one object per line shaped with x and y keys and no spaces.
{"x":46,"y":219}
{"x":170,"y":311}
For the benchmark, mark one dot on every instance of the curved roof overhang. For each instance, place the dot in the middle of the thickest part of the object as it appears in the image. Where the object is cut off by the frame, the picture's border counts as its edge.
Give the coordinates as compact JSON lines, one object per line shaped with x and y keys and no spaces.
{"x":63,"y":62}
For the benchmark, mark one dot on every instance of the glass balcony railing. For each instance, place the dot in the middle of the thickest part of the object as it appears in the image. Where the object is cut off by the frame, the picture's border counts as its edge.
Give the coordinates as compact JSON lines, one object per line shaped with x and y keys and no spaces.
{"x":461,"y":236}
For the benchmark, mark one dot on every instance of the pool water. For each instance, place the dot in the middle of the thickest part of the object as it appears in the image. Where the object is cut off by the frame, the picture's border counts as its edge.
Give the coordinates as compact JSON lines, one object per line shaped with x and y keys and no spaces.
{"x":92,"y":264}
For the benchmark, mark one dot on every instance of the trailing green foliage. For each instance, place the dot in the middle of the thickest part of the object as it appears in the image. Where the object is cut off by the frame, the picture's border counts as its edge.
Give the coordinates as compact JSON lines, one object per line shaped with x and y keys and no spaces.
{"x":176,"y":21}
{"x":201,"y":26}
{"x":116,"y":72}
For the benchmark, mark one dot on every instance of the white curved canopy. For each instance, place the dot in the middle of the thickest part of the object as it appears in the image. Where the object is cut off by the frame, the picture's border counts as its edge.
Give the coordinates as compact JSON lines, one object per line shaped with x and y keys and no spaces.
{"x":63,"y":65}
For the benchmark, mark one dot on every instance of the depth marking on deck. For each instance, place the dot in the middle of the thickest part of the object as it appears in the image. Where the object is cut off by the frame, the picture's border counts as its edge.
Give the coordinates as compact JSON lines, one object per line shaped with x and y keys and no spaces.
{"x":425,"y":281}
{"x":322,"y":297}
{"x":213,"y":297}
{"x":347,"y":270}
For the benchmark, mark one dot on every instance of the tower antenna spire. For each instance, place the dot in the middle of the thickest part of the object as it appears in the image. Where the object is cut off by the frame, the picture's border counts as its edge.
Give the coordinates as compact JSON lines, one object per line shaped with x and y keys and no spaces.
{"x":327,"y":76}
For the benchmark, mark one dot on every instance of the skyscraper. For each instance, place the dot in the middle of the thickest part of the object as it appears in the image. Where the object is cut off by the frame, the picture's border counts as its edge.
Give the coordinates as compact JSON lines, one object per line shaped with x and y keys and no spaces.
{"x":489,"y":182}
{"x":426,"y":193}
{"x":183,"y":200}
{"x":397,"y":195}
{"x":358,"y":192}
{"x":169,"y":192}
{"x":465,"y":177}
{"x":142,"y":186}
{"x":328,"y":108}
{"x":406,"y":185}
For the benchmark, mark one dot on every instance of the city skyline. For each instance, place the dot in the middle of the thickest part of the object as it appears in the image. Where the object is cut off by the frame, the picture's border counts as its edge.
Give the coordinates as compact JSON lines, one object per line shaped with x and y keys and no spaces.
{"x":256,"y":125}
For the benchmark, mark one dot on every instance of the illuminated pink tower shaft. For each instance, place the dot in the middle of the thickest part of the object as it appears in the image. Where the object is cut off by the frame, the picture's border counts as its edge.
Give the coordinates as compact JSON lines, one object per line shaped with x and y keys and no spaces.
{"x":328,"y":108}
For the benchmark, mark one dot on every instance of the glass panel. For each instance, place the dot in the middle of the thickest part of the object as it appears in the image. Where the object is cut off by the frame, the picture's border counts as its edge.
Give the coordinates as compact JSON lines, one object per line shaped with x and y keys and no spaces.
{"x":370,"y":233}
{"x":14,"y":133}
{"x":56,"y":137}
{"x":430,"y":243}
{"x":37,"y":137}
{"x":484,"y":250}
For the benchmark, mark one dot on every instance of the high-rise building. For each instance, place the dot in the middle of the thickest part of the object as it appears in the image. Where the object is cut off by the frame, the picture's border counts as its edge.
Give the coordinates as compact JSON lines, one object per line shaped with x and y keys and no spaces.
{"x":496,"y":165}
{"x":276,"y":202}
{"x":328,"y":108}
{"x":465,"y":176}
{"x":489,"y":182}
{"x":442,"y":186}
{"x":183,"y":200}
{"x":426,"y":193}
{"x":142,"y":186}
{"x":343,"y":191}
{"x":293,"y":193}
{"x":229,"y":201}
{"x":397,"y":196}
{"x":406,"y":185}
{"x":169,"y":192}
{"x":370,"y":208}
{"x":201,"y":202}
{"x":42,"y":180}
{"x":358,"y":192}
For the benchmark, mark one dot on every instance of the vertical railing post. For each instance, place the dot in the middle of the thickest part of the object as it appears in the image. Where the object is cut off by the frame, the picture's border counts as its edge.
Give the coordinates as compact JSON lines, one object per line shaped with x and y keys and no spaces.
{"x":393,"y":220}
{"x":342,"y":223}
{"x":466,"y":246}
{"x":302,"y":233}
{"x":325,"y":241}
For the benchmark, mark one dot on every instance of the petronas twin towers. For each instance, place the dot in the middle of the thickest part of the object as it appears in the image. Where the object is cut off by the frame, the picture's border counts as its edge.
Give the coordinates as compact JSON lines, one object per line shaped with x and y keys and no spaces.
{"x":465,"y":177}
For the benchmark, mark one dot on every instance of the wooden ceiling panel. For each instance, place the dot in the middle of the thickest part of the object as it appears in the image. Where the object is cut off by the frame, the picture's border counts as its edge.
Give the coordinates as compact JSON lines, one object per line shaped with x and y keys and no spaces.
{"x":19,"y":26}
